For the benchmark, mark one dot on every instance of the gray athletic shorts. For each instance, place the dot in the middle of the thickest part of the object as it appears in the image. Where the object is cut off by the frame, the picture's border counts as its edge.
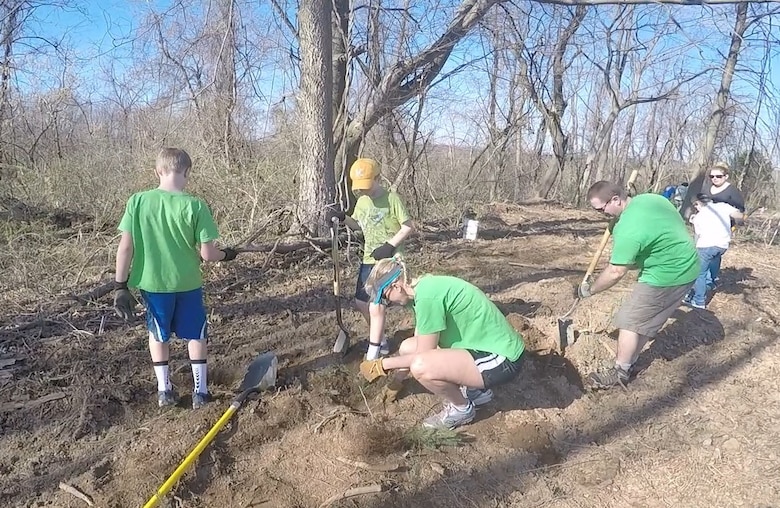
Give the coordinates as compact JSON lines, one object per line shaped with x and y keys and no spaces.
{"x":649,"y":307}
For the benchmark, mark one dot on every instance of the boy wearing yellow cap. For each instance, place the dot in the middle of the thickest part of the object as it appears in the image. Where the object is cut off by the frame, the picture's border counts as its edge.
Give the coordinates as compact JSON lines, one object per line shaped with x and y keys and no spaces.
{"x":385,"y":223}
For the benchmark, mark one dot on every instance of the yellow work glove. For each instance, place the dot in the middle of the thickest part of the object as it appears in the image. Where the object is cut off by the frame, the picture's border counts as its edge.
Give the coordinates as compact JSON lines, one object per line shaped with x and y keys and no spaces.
{"x":390,"y":392}
{"x":372,"y":369}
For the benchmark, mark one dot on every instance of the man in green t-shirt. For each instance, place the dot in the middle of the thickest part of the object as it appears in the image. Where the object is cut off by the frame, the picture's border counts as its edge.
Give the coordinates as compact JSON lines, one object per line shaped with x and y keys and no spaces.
{"x":386,"y":224}
{"x":462,"y":344}
{"x":651,"y":236}
{"x":165,"y":233}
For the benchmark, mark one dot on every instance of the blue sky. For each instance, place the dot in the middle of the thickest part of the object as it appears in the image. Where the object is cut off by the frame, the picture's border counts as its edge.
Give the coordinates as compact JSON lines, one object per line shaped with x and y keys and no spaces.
{"x":102,"y":30}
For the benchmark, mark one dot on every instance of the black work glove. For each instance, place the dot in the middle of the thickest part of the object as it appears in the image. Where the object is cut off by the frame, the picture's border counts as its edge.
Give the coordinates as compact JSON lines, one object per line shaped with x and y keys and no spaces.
{"x":124,"y":302}
{"x":384,"y":251}
{"x":334,"y":212}
{"x":230,"y":253}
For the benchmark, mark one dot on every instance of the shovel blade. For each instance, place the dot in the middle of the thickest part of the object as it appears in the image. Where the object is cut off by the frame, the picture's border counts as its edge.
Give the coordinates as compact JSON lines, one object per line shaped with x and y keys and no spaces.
{"x":261,"y":373}
{"x":342,"y":343}
{"x":565,"y":333}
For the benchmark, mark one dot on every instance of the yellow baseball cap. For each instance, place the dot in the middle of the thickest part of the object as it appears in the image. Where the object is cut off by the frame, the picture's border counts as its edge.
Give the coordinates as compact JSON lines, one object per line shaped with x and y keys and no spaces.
{"x":362,"y":173}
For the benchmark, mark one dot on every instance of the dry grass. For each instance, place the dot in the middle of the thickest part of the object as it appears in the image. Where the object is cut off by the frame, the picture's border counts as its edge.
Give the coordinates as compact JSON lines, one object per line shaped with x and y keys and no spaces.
{"x":41,"y":262}
{"x":419,"y":438}
{"x":380,"y":438}
{"x":761,"y":227}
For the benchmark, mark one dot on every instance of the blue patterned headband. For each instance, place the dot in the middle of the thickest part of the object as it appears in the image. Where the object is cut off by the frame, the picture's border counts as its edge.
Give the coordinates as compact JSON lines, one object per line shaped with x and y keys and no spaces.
{"x":385,"y":281}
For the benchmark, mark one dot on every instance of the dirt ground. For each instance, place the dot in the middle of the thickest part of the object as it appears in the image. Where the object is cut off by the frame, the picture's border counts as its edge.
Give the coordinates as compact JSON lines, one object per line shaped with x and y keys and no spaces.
{"x":700,"y":426}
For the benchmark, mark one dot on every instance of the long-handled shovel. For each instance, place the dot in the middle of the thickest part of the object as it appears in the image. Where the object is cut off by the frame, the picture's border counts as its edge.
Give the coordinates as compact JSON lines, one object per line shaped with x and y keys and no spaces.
{"x":341,"y":345}
{"x":260,"y":374}
{"x":565,"y":330}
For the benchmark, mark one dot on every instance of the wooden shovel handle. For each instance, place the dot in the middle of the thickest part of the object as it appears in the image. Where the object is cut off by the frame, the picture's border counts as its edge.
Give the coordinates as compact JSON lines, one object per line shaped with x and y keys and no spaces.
{"x":597,"y":255}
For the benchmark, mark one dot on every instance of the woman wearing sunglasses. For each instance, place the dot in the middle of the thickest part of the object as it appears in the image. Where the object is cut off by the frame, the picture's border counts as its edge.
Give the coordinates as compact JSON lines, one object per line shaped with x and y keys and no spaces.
{"x":710,"y":233}
{"x":720,"y":189}
{"x":462,"y":345}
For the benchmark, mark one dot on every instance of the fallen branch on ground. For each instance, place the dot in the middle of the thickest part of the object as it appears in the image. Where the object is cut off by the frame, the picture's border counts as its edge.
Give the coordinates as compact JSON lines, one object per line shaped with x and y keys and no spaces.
{"x":324,"y":243}
{"x":262,"y":268}
{"x":73,"y":491}
{"x":13,"y":406}
{"x":286,"y":248}
{"x":385,"y":468}
{"x":263,"y":226}
{"x":94,"y":294}
{"x":334,"y":413}
{"x":358,"y":491}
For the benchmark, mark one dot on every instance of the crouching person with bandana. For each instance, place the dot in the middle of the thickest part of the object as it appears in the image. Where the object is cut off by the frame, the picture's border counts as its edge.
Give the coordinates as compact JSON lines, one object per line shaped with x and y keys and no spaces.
{"x":462,"y":346}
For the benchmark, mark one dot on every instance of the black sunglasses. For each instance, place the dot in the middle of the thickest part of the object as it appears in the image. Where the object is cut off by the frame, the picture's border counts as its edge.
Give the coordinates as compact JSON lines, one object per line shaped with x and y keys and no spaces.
{"x":601,"y":209}
{"x":717,"y":176}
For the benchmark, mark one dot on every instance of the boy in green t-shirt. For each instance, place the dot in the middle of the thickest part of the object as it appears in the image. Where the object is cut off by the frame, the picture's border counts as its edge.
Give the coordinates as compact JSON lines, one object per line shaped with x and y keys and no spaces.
{"x":649,"y":235}
{"x":165,"y":234}
{"x":385,"y":223}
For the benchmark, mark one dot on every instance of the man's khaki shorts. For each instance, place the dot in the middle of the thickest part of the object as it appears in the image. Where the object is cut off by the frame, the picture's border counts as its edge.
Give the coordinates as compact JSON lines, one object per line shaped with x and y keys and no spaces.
{"x":649,"y":307}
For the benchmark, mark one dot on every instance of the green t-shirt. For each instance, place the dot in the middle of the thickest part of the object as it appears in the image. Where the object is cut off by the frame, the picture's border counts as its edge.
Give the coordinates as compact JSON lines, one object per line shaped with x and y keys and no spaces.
{"x":380,"y":218}
{"x":464,"y":317}
{"x":651,"y":234}
{"x":167,"y":228}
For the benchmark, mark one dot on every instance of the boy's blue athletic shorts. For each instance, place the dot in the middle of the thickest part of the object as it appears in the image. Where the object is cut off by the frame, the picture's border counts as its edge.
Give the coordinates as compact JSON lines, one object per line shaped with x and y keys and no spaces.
{"x":182,"y":314}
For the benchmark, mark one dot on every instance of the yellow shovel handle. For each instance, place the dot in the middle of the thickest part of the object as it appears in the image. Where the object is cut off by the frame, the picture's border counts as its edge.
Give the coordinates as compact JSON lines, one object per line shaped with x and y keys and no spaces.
{"x":171,"y":481}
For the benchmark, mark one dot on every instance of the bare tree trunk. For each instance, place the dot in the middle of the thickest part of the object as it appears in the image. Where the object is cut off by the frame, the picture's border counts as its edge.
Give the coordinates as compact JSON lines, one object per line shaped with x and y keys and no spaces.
{"x":9,"y":10}
{"x":601,"y":141}
{"x":721,"y":99}
{"x":407,"y":77}
{"x":413,"y":153}
{"x":652,"y":135}
{"x":342,"y":54}
{"x":627,"y":155}
{"x":519,"y":155}
{"x":317,"y":179}
{"x":704,"y":153}
{"x":225,"y":82}
{"x":553,"y":113}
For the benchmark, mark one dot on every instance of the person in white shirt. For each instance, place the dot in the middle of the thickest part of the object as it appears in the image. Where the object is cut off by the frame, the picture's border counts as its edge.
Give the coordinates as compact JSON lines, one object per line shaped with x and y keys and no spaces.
{"x":712,"y":230}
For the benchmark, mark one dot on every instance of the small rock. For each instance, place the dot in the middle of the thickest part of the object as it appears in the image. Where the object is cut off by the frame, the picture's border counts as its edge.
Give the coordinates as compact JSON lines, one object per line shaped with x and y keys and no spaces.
{"x":730,"y":445}
{"x":437,"y":467}
{"x":707,"y":442}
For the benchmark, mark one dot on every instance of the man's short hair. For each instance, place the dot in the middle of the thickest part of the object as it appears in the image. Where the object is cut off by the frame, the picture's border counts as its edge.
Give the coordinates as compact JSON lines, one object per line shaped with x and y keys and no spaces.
{"x":605,"y":191}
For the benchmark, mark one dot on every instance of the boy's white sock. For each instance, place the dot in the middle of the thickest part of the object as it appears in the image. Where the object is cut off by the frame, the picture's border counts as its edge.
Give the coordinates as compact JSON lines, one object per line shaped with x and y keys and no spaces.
{"x":199,"y":376}
{"x":161,"y":371}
